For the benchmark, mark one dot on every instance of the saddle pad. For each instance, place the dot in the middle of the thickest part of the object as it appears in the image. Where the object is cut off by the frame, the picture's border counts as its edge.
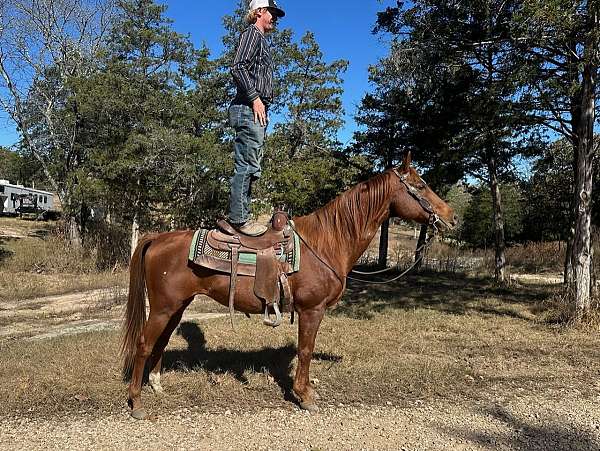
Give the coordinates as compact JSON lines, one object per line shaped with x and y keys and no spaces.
{"x":202,"y":254}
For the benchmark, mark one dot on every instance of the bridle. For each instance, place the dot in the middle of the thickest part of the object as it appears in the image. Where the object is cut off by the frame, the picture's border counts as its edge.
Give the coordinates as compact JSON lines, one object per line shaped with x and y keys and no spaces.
{"x":432,"y":221}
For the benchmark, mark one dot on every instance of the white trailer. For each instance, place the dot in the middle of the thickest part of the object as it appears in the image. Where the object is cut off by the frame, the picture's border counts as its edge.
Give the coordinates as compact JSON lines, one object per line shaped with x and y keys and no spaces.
{"x":14,"y":199}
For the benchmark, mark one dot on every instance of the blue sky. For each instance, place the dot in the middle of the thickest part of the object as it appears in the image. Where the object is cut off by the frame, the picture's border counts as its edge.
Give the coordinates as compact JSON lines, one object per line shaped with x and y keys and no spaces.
{"x":342,"y":29}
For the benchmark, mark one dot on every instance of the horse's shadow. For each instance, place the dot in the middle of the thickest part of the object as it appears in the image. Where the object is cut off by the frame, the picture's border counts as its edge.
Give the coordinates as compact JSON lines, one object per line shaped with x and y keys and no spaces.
{"x":276,"y":362}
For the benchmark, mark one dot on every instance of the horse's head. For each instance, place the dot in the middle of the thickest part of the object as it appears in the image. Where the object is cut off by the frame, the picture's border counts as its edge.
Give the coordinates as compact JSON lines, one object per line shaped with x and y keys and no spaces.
{"x":416,"y":201}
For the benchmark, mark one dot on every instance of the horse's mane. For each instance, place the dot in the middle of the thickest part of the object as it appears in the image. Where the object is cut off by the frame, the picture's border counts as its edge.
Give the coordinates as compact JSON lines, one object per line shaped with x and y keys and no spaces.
{"x":348,"y":216}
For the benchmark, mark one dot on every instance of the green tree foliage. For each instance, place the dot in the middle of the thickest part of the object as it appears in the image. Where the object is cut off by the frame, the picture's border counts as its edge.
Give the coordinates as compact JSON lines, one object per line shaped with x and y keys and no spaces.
{"x":306,"y":140}
{"x":477,"y":130}
{"x":20,"y":166}
{"x":477,"y":229}
{"x":548,"y":195}
{"x":10,"y":165}
{"x":459,"y":197}
{"x":151,"y":116}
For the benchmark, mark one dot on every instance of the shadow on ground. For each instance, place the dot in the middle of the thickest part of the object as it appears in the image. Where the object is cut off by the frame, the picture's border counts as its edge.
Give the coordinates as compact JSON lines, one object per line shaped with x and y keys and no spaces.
{"x":4,"y":253}
{"x":39,"y":233}
{"x":524,"y":435}
{"x":276,"y":362}
{"x":449,"y":293}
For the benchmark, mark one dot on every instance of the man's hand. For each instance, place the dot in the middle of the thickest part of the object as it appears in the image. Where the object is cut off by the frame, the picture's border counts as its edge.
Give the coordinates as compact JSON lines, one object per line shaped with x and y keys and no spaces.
{"x":260,"y":114}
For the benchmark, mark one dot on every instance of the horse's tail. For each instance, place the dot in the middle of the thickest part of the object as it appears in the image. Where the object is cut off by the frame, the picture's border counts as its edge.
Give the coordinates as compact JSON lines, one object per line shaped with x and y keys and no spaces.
{"x":135,"y":315}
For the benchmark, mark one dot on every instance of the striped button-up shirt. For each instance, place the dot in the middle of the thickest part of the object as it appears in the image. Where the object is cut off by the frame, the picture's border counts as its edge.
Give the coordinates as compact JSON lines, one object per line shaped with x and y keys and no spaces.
{"x":253,"y":68}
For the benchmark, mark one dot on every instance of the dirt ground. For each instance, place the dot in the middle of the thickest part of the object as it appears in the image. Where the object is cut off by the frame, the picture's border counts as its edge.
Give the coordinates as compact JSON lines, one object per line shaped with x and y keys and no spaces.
{"x":492,"y":378}
{"x":433,"y":362}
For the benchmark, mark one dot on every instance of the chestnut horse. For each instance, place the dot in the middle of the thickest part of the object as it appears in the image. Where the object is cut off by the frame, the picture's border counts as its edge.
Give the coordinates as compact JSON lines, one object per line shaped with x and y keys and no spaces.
{"x":332,"y":240}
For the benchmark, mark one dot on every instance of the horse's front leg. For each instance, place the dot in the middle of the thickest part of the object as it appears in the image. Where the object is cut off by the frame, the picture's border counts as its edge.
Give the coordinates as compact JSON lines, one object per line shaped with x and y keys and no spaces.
{"x":308,"y":325}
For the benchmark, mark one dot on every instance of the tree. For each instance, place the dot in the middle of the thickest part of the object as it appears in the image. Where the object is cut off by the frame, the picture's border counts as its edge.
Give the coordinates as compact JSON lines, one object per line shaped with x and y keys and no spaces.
{"x":463,"y":45}
{"x":477,"y":229}
{"x":548,"y":194}
{"x":307,"y":137}
{"x":150,"y":128}
{"x":459,"y":197}
{"x":561,"y":40}
{"x":10,"y":165}
{"x":411,"y":113}
{"x":42,"y":45}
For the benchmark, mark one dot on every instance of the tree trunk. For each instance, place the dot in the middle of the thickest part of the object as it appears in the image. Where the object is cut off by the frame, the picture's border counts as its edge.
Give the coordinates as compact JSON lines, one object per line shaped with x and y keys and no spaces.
{"x":594,"y":287}
{"x":383,"y":243}
{"x":582,"y":240}
{"x":135,"y":233}
{"x":73,"y":234}
{"x":420,"y":251}
{"x":500,"y":245}
{"x":568,"y":269}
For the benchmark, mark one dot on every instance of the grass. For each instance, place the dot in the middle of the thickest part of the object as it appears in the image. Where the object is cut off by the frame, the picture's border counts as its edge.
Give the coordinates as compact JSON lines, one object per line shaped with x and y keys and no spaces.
{"x":445,"y":257}
{"x":431,"y":337}
{"x":40,"y":263}
{"x":21,"y":285}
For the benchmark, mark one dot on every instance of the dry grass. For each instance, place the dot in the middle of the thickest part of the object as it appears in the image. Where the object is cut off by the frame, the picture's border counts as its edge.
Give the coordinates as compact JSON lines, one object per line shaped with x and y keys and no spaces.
{"x":19,"y":286}
{"x":427,"y":338}
{"x":40,"y":263}
{"x":446,"y":256}
{"x":48,"y":253}
{"x":537,"y":257}
{"x":560,"y":308}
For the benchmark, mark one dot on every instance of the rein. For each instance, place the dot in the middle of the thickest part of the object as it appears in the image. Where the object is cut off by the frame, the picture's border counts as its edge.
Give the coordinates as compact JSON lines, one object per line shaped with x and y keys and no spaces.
{"x":421,"y":249}
{"x":293,"y":227}
{"x":433,"y":220}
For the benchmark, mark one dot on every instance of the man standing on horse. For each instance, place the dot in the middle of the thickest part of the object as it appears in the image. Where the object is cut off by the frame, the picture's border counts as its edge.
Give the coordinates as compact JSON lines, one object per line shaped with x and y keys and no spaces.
{"x":252,"y":72}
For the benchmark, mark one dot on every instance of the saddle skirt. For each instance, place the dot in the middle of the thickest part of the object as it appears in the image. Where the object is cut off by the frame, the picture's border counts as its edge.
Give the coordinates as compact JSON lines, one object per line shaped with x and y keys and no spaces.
{"x":212,"y":249}
{"x":268,"y":258}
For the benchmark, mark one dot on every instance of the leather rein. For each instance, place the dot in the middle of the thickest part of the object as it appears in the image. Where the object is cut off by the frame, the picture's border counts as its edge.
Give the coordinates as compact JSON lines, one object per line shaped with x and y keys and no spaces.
{"x":432,"y":221}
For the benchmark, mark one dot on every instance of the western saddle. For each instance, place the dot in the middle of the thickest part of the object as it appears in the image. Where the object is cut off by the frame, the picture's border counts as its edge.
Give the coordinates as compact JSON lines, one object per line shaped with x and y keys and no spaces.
{"x":271,"y":268}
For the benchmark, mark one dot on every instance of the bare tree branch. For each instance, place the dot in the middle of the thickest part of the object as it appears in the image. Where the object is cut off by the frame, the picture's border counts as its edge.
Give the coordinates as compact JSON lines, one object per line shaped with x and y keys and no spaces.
{"x":39,"y":37}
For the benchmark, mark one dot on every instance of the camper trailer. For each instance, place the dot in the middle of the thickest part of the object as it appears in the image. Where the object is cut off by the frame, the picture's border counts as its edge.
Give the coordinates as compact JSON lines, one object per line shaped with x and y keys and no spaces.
{"x":19,"y":200}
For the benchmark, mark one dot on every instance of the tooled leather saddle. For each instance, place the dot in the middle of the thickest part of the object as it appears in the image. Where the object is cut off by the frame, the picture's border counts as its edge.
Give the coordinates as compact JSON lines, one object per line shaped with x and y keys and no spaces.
{"x":268,"y":258}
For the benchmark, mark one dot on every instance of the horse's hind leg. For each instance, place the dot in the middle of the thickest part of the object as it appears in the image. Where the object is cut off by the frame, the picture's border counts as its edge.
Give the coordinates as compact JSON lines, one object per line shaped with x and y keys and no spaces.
{"x":155,"y":360}
{"x":155,"y":326}
{"x":308,"y":326}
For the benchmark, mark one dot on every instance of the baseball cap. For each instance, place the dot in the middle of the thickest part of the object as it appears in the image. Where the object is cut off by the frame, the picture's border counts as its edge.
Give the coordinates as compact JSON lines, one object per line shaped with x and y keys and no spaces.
{"x":271,"y":4}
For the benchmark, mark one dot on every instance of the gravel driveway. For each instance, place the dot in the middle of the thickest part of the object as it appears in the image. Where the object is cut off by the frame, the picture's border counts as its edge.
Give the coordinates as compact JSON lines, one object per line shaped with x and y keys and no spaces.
{"x":526,"y":424}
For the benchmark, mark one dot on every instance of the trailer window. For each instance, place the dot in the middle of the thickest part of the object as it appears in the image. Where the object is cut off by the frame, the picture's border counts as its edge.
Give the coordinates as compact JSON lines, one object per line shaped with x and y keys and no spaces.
{"x":1,"y":188}
{"x":45,"y":199}
{"x":13,"y":196}
{"x":40,"y":198}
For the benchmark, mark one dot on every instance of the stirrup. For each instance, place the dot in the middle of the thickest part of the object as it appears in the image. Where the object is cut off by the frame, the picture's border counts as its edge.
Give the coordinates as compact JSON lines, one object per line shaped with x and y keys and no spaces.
{"x":267,"y":318}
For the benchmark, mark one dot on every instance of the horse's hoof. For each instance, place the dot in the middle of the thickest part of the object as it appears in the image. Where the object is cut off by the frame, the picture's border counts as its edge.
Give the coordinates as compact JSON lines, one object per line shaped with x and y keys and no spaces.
{"x":310,"y":407}
{"x":139,"y":414}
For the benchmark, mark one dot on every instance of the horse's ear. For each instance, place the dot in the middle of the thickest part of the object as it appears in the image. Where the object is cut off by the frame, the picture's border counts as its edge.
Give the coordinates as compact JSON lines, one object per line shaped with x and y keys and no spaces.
{"x":406,"y":161}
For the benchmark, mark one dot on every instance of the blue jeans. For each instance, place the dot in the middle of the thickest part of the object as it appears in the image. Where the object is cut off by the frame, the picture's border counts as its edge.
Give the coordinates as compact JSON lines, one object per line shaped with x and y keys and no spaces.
{"x":248,"y":153}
